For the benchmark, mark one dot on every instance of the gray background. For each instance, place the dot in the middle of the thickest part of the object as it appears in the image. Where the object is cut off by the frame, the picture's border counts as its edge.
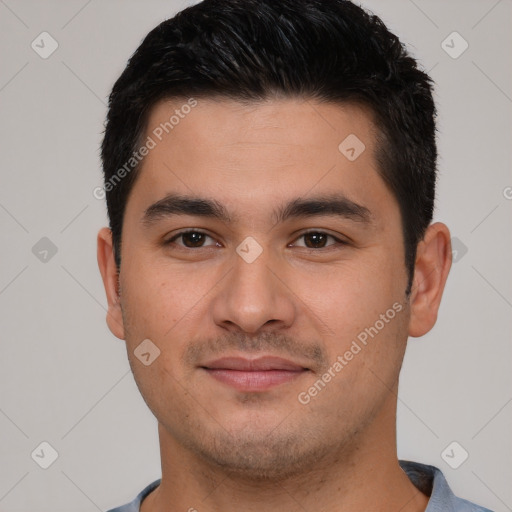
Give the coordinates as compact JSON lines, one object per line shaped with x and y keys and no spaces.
{"x":64,"y":378}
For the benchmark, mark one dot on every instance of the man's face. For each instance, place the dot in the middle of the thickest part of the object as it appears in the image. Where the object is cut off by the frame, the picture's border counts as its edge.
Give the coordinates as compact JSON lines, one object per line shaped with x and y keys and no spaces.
{"x":304,"y":287}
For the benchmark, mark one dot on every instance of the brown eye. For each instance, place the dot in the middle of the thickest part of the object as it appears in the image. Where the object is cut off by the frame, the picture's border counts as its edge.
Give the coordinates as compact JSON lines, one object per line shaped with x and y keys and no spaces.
{"x":318,"y":240}
{"x":191,"y":240}
{"x":315,"y":240}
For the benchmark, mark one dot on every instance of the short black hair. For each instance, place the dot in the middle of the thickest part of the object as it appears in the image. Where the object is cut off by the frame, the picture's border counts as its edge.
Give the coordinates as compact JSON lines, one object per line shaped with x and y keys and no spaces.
{"x":252,"y":50}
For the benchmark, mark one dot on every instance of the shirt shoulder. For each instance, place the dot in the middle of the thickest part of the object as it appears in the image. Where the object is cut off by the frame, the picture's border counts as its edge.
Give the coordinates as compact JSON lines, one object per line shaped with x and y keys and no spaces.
{"x":431,"y":481}
{"x":134,"y":506}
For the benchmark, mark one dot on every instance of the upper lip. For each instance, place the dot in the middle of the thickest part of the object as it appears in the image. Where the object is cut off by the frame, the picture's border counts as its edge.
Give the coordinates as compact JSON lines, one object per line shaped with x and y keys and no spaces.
{"x":257,"y":364}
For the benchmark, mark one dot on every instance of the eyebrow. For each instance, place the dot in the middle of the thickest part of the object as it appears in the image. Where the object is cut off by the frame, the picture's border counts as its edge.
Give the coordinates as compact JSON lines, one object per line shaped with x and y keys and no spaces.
{"x":328,"y":205}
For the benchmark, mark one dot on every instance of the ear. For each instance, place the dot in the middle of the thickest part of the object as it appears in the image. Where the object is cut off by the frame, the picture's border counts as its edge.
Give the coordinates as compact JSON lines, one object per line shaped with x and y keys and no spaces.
{"x":433,"y":262}
{"x":109,"y":274}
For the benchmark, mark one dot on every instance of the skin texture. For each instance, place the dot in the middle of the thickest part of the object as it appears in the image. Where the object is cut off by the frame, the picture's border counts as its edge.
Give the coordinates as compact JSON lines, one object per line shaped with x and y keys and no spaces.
{"x":224,"y":449}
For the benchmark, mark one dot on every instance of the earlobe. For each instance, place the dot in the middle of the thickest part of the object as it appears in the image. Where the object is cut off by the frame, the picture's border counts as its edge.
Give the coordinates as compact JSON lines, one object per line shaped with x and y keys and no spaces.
{"x":110,"y":276}
{"x":433,"y":262}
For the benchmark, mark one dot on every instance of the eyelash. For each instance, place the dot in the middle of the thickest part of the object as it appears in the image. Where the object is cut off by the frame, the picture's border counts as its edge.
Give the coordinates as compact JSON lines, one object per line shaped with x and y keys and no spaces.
{"x":318,"y":232}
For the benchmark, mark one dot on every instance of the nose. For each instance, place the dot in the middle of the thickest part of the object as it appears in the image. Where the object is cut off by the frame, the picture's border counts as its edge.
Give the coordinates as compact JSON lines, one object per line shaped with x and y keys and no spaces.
{"x":254,"y":297}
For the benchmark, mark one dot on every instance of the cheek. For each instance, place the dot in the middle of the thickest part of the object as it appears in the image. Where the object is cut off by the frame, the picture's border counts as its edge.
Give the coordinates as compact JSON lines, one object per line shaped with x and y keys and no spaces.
{"x":157,"y":297}
{"x":350,"y":296}
{"x":365,"y":352}
{"x":360,"y":311}
{"x":158,"y":305}
{"x":167,"y":305}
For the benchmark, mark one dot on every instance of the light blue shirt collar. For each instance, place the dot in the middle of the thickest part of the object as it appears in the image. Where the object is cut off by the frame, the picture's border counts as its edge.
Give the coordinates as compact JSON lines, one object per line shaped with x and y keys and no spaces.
{"x":428,"y":479}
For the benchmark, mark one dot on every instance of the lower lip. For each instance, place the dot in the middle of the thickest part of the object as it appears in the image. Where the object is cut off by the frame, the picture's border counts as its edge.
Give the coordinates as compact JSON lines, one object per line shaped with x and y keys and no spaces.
{"x":254,"y":380}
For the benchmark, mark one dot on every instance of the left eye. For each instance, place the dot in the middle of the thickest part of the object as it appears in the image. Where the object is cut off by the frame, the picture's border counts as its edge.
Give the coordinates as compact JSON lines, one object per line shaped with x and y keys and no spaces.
{"x":317,"y":240}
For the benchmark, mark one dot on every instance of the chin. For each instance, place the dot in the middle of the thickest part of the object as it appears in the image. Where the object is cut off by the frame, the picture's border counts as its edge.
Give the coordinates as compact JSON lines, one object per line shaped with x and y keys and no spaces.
{"x":261,"y":454}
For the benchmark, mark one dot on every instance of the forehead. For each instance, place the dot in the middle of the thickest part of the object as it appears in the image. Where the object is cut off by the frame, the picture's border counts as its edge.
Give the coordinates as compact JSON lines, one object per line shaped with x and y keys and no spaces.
{"x":245,"y":154}
{"x":222,"y":124}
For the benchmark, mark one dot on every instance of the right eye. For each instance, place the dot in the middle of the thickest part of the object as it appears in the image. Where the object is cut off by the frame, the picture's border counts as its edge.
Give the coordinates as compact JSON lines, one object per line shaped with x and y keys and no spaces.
{"x":191,"y":239}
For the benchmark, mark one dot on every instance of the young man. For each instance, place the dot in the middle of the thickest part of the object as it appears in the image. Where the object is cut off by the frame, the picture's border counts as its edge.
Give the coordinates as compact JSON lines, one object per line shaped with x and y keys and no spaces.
{"x":270,"y":171}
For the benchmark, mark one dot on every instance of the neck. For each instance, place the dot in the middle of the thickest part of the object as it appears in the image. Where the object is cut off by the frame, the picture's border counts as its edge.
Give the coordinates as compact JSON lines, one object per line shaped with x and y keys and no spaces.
{"x":364,"y":476}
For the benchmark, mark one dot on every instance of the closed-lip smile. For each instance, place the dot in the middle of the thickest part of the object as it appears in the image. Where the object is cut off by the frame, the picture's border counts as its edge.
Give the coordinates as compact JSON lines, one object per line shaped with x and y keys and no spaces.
{"x":257,"y":374}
